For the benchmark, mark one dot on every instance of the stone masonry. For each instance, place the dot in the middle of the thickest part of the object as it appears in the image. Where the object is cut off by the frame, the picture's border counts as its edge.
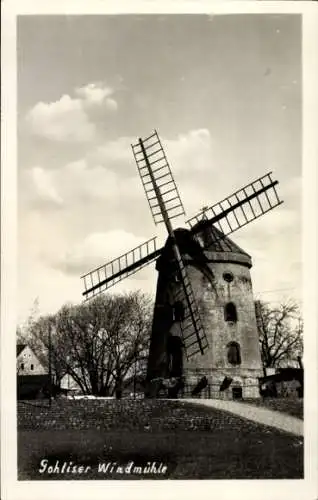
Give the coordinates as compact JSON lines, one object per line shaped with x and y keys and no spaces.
{"x":223,"y":291}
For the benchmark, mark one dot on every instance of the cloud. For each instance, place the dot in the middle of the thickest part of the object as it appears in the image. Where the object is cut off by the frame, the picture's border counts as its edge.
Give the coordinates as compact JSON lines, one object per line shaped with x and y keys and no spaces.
{"x":105,"y":210}
{"x":63,"y":120}
{"x":77,"y":184}
{"x":108,"y":172}
{"x":186,"y":154}
{"x":44,"y":186}
{"x":190,"y":151}
{"x":97,"y":94}
{"x":55,"y":287}
{"x":274,"y":242}
{"x":291,"y":191}
{"x":97,"y":249}
{"x":80,"y":183}
{"x":190,"y":156}
{"x":38,"y":189}
{"x":115,"y":152}
{"x":71,"y":119}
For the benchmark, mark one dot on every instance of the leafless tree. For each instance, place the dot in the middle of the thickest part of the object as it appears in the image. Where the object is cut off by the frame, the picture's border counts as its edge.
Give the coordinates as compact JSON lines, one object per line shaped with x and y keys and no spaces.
{"x":280,"y":333}
{"x":98,"y":343}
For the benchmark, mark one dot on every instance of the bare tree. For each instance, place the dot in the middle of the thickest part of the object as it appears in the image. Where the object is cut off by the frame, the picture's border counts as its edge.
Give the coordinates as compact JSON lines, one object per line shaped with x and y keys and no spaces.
{"x":280,"y":333}
{"x":98,"y":343}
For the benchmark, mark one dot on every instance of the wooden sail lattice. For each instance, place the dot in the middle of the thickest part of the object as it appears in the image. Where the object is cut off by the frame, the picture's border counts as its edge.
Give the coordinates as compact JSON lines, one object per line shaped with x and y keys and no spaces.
{"x":103,"y":277}
{"x":227,"y":216}
{"x":239,"y":209}
{"x":165,"y":204}
{"x":192,"y":330}
{"x":249,"y":203}
{"x":153,"y":167}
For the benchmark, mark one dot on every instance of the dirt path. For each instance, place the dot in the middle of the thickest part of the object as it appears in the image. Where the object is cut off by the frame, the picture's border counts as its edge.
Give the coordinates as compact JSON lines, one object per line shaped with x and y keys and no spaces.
{"x":264,"y":416}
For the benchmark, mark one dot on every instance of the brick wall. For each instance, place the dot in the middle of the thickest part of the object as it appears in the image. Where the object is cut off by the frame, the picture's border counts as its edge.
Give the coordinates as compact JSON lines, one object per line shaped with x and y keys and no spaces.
{"x":113,"y":414}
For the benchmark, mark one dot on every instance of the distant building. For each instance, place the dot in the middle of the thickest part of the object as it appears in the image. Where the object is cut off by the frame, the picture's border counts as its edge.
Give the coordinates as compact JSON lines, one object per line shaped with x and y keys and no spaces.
{"x":32,"y":377}
{"x":27,"y":361}
{"x":286,"y":382}
{"x":68,"y":383}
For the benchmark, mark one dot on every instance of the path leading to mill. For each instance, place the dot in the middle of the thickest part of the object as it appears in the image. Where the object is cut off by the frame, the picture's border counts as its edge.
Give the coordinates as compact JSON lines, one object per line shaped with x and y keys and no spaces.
{"x":264,"y":416}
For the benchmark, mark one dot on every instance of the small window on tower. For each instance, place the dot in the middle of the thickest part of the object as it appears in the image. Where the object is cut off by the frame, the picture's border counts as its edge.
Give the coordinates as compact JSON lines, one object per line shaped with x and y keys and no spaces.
{"x":178,"y":311}
{"x":32,"y":367}
{"x":22,"y":366}
{"x":234,"y":353}
{"x":230,"y":313}
{"x":227,"y":276}
{"x":199,"y":239}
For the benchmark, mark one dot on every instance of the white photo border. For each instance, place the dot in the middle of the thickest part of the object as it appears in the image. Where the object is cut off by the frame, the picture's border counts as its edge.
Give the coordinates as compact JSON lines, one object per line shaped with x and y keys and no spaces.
{"x":245,"y":489}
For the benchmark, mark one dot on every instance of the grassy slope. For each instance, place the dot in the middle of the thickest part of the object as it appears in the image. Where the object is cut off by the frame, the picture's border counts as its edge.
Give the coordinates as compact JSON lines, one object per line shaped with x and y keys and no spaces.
{"x":194,"y":442}
{"x":293,"y":407}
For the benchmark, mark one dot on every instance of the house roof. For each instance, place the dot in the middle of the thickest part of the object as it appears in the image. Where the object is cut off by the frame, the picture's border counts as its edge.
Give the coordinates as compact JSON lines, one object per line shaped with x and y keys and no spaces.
{"x":20,"y":348}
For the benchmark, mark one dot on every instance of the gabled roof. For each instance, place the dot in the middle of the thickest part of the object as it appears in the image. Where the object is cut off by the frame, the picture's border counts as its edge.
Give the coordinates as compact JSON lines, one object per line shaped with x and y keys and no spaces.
{"x":20,"y":348}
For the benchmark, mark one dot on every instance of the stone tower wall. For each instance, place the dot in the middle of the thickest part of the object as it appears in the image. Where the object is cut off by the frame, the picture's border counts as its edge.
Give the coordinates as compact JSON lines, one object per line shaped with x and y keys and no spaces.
{"x":212,"y":296}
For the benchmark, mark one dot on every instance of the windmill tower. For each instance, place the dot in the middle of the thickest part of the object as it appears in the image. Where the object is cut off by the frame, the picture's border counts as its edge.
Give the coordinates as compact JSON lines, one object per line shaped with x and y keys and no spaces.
{"x":204,"y":326}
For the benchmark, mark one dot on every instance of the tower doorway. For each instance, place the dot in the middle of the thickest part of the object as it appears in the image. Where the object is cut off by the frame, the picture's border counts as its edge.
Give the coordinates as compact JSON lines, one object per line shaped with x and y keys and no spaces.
{"x":237,"y":393}
{"x":175,"y":356}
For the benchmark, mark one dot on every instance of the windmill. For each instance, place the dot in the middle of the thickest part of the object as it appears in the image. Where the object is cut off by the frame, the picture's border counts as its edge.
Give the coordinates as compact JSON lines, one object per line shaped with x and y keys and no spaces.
{"x":218,"y":220}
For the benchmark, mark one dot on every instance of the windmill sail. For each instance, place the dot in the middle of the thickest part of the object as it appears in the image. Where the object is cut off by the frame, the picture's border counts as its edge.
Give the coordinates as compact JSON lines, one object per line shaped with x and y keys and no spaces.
{"x":103,"y":277}
{"x":228,"y":215}
{"x":239,"y":209}
{"x":157,"y":179}
{"x":193,"y":335}
{"x":165,"y":203}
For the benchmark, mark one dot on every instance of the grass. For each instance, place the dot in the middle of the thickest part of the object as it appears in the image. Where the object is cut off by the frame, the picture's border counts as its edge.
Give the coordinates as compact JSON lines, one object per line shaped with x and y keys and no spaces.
{"x":193,"y":442}
{"x":293,"y":407}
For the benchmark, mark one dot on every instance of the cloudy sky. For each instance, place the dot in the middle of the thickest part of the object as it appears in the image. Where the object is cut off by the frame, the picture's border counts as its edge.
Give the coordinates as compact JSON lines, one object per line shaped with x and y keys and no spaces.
{"x":224,"y":93}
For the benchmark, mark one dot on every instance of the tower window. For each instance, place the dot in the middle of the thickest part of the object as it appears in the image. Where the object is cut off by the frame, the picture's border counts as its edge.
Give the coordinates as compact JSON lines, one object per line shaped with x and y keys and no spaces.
{"x":32,"y":367}
{"x":234,"y":353}
{"x":22,"y":366}
{"x":228,"y":277}
{"x":178,"y":311}
{"x":230,"y":313}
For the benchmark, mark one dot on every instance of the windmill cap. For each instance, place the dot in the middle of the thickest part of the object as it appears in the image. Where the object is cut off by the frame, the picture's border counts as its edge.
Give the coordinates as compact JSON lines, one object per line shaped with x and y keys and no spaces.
{"x":217,"y":246}
{"x":213,"y":246}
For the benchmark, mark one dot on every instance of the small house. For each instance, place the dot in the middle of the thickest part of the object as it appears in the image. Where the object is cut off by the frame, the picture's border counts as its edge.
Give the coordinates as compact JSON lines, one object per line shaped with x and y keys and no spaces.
{"x":27,"y":362}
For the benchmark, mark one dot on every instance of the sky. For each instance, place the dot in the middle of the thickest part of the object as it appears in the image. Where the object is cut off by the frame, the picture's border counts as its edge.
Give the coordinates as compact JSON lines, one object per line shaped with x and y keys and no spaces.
{"x":224,"y":94}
